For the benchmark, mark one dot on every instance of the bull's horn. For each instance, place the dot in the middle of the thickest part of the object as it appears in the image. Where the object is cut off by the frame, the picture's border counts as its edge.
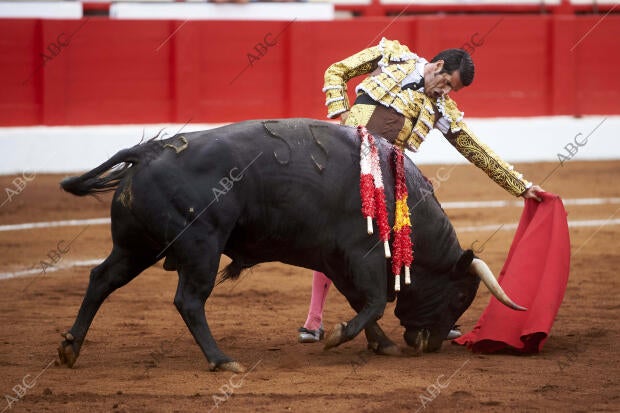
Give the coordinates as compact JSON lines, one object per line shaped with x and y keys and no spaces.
{"x":482,"y":270}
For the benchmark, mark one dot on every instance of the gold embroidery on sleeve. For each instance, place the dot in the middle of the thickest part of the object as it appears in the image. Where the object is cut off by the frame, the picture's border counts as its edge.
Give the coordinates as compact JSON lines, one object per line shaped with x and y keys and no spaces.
{"x":484,"y":158}
{"x":338,"y":74}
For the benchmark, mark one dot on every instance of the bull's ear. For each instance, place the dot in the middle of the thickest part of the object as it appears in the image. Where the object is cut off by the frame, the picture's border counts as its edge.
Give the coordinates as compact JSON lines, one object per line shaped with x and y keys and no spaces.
{"x":464,"y":262}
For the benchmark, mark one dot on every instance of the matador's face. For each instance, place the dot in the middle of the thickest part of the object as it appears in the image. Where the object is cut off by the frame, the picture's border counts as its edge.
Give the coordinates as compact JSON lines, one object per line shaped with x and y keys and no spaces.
{"x":437,"y":84}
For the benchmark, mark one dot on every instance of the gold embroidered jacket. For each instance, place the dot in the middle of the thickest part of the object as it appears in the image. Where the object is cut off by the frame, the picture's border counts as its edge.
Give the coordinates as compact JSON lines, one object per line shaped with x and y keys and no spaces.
{"x":395,"y":62}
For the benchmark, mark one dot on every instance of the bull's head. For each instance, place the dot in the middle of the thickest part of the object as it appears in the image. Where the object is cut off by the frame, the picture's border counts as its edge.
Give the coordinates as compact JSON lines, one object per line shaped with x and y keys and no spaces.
{"x":434,"y":302}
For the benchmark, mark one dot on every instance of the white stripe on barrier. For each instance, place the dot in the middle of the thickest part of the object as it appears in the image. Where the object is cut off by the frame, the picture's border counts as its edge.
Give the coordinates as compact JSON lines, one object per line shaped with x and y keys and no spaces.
{"x":549,"y":135}
{"x":40,"y":10}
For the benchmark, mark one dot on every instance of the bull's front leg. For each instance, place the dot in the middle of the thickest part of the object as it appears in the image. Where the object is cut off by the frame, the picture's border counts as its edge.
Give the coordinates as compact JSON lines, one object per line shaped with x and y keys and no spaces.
{"x":371,"y":286}
{"x":347,"y":331}
{"x":379,"y":342}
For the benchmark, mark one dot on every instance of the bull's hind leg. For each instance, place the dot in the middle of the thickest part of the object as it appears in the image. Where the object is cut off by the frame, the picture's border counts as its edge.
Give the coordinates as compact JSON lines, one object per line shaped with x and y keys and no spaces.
{"x":118,"y":269}
{"x":197,"y":274}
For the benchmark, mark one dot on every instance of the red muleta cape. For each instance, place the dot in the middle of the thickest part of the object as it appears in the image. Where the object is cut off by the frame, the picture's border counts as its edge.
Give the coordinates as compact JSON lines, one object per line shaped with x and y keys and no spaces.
{"x":534,"y":276}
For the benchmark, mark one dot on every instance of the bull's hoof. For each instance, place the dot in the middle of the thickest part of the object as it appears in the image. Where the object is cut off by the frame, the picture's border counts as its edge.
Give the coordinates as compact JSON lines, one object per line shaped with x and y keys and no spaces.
{"x":418,"y":346}
{"x":67,"y":354}
{"x":385,"y":350}
{"x":417,"y":341}
{"x":233,"y":366}
{"x":336,"y":337}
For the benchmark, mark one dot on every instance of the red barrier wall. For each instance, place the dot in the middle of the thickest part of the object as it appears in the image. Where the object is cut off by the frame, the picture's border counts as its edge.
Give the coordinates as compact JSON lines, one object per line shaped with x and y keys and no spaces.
{"x":101,"y":71}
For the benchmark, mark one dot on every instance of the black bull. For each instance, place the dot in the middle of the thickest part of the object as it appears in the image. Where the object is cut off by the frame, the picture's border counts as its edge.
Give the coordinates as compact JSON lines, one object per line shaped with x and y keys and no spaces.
{"x":277,"y":190}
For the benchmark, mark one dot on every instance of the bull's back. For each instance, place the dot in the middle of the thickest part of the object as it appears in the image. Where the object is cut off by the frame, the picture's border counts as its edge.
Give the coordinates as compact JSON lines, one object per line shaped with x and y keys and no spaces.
{"x":273,"y":178}
{"x":300,"y":180}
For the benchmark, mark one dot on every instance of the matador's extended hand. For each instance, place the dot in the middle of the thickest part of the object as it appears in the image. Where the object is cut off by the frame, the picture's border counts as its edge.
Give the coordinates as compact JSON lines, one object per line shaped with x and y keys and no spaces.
{"x":532,"y":192}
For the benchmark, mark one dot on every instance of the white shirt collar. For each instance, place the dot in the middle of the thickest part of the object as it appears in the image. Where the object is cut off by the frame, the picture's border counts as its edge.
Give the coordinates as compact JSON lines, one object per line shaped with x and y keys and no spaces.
{"x":417,"y":74}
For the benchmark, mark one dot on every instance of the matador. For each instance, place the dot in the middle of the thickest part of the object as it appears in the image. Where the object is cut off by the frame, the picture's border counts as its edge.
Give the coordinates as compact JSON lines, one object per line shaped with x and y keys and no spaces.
{"x":402,"y":99}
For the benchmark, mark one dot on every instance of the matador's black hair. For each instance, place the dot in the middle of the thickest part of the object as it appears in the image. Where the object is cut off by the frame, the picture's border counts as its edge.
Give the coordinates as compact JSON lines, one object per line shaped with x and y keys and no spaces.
{"x":457,"y":59}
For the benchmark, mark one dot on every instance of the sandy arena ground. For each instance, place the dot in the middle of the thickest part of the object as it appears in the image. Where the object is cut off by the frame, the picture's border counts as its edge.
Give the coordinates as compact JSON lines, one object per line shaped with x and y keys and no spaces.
{"x":140,"y":357}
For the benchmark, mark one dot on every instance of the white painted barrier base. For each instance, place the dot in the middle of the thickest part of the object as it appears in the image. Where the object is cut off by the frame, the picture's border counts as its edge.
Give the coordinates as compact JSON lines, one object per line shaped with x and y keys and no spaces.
{"x":70,"y":149}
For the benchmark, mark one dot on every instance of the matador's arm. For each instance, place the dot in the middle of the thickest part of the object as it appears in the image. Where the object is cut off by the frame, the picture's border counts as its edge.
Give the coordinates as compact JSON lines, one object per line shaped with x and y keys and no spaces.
{"x":484,"y":158}
{"x":338,"y":74}
{"x":466,"y":142}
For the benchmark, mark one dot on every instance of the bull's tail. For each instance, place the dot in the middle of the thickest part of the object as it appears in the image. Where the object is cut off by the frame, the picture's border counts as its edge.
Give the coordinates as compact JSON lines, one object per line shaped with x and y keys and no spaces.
{"x":107,"y":176}
{"x":233,"y":270}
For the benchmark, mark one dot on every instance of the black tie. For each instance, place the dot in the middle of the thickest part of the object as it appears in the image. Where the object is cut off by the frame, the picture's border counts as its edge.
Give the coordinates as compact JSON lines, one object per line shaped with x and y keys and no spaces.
{"x":414,"y":85}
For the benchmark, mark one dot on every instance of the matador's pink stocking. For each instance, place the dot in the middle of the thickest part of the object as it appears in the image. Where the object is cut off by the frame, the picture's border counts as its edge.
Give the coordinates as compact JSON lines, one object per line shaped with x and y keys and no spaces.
{"x":320,"y":286}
